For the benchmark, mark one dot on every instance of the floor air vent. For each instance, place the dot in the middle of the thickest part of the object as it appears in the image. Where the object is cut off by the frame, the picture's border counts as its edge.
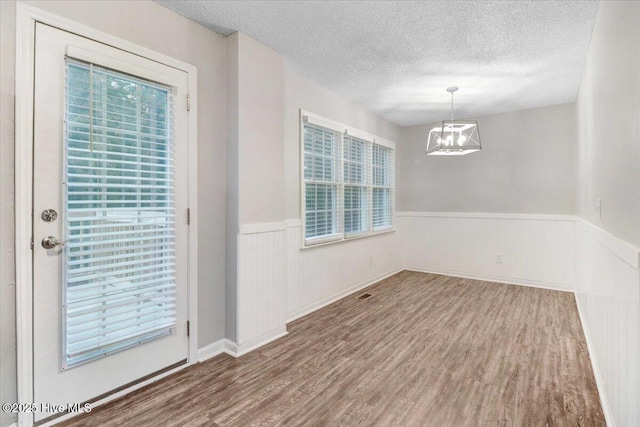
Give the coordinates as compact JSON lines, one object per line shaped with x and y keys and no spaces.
{"x":364,"y":296}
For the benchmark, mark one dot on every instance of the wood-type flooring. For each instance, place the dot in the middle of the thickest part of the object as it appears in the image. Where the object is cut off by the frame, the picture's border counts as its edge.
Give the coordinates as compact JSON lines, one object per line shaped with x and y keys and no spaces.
{"x":422,"y":350}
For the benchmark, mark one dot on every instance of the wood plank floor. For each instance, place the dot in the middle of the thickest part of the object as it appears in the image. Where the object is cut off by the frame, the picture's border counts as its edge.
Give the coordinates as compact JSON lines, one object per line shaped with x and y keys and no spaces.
{"x":423,"y":350}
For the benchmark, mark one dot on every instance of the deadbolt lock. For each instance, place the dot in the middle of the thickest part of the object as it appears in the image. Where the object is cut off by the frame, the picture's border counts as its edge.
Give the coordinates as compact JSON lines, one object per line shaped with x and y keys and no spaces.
{"x":49,"y":215}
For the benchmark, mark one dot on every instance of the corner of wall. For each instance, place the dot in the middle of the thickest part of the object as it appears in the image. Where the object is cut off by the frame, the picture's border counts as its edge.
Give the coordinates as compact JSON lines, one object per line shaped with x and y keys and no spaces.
{"x":232,"y":225}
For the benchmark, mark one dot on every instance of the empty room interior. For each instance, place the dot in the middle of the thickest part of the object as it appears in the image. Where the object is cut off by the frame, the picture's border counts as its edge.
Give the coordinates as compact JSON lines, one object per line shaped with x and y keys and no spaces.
{"x":320,"y":213}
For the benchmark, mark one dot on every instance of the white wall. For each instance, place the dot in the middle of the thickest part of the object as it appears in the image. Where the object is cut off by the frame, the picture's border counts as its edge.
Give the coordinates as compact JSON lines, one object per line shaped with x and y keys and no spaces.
{"x":170,"y":34}
{"x":527,"y":165}
{"x":608,"y":118}
{"x":255,"y":107}
{"x":233,"y":197}
{"x":609,"y":122}
{"x":260,"y":134}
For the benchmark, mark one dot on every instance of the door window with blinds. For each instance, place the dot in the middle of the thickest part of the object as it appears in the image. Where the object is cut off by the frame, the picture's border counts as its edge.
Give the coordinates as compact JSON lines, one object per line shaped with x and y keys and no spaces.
{"x":119,"y":288}
{"x":347,"y":181}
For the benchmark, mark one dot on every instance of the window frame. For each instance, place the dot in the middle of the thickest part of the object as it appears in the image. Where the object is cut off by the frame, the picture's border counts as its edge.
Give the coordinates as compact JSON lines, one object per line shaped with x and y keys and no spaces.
{"x":341,"y":130}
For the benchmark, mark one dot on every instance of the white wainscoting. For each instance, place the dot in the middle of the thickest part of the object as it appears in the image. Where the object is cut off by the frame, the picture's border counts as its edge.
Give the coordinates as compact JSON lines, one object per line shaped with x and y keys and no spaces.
{"x":537,"y":250}
{"x":318,"y":276}
{"x":261,"y":294}
{"x":608,"y":297}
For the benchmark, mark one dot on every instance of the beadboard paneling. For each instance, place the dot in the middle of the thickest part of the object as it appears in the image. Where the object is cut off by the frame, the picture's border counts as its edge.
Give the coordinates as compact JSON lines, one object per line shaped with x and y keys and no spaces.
{"x":261,"y":284}
{"x":608,"y":297}
{"x":537,"y":250}
{"x":317,"y":276}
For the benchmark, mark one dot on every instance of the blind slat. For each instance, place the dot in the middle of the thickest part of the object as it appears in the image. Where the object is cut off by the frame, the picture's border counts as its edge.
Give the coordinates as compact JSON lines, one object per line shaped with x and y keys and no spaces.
{"x":138,"y":330}
{"x":71,"y":280}
{"x":96,"y":300}
{"x":75,"y":271}
{"x":111,"y":172}
{"x":73,"y":244}
{"x":97,"y":140}
{"x":117,"y":255}
{"x":87,"y":154}
{"x":124,"y":214}
{"x":119,"y":163}
{"x":122,"y":224}
{"x":155,"y":228}
{"x":126,"y":138}
{"x":129,"y":248}
{"x":103,"y":315}
{"x":140,"y":315}
{"x":144,"y":279}
{"x":121,"y":186}
{"x":167,"y":297}
{"x":120,"y":178}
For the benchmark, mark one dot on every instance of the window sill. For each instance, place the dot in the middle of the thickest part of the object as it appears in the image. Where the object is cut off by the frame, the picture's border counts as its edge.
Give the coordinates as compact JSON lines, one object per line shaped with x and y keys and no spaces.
{"x":349,"y":239}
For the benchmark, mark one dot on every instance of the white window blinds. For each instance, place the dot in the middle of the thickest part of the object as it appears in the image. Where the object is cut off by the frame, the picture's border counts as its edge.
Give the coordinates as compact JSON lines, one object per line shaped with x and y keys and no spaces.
{"x":119,"y":288}
{"x":383,"y":186}
{"x":348,"y":182}
{"x":321,"y":177}
{"x":356,"y":185}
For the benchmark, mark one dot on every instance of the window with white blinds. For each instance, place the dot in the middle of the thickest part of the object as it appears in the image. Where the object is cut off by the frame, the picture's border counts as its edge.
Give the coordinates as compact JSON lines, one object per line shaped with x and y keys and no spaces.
{"x":382,"y":171}
{"x":348,"y":182}
{"x":321,"y":182}
{"x":356,"y":182}
{"x":119,"y":288}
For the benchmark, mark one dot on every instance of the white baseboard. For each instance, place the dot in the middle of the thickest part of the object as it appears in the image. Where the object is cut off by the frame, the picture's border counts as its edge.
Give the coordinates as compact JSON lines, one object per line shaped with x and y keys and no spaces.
{"x":229,"y":347}
{"x":211,"y":350}
{"x":497,"y":279}
{"x":301,"y":312}
{"x":237,"y":350}
{"x":608,"y":416}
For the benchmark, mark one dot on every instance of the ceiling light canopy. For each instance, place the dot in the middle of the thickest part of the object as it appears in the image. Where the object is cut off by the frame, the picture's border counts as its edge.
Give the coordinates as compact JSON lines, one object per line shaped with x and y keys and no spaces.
{"x":454,"y":137}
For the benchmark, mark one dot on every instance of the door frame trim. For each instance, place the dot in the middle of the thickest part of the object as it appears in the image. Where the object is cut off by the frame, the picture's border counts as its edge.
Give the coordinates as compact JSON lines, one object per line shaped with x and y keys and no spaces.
{"x":26,"y":18}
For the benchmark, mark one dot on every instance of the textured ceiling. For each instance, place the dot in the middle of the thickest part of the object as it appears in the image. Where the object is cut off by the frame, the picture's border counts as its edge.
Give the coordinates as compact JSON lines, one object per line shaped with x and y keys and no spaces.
{"x":397,"y":58}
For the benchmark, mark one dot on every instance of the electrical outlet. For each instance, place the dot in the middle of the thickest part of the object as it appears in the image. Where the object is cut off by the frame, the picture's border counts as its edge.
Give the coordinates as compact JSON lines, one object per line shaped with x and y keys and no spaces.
{"x":370,"y":259}
{"x":599,"y":208}
{"x":499,"y":257}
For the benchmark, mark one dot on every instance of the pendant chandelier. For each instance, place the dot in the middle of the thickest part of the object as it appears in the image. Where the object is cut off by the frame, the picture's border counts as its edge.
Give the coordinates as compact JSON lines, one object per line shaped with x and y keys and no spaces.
{"x":454,"y":137}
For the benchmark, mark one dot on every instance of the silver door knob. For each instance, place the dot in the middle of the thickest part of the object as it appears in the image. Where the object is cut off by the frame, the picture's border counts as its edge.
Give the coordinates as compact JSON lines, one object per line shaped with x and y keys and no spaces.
{"x":51,"y":242}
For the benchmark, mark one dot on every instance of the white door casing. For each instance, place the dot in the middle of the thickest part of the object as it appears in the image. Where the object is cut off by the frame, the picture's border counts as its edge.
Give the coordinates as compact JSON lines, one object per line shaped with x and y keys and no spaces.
{"x":53,"y":384}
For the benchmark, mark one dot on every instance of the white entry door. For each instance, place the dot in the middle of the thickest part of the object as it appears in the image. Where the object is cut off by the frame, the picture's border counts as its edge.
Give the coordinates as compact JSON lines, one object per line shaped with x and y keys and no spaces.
{"x":109,"y":220}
